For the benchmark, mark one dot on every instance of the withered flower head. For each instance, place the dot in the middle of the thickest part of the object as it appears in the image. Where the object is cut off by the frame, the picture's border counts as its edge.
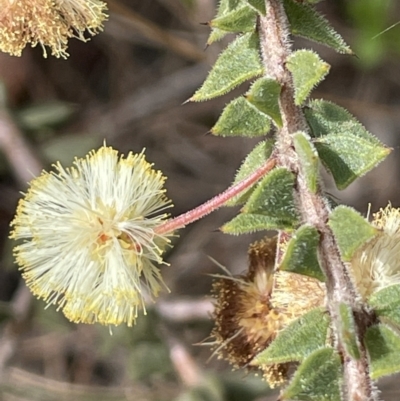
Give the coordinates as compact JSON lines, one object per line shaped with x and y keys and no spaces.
{"x":48,"y":23}
{"x":251,"y":309}
{"x":377,"y":264}
{"x":245,"y":321}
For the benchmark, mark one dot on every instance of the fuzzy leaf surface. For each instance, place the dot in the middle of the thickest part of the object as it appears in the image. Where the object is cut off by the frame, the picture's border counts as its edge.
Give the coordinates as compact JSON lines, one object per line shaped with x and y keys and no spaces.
{"x":258,"y":5}
{"x":345,"y":147}
{"x":273,"y":197}
{"x":246,"y":223}
{"x":386,"y":304}
{"x":298,"y":340}
{"x":348,"y":331}
{"x":264,"y":94}
{"x":301,"y":254}
{"x":259,"y":155}
{"x":350,"y":229}
{"x":270,"y":206}
{"x":309,"y":159}
{"x":224,"y":8}
{"x":383,"y":346}
{"x":308,"y":70}
{"x":239,"y":62}
{"x":317,"y":378}
{"x":241,"y":118}
{"x":241,"y":19}
{"x":216,"y":35}
{"x":306,"y":22}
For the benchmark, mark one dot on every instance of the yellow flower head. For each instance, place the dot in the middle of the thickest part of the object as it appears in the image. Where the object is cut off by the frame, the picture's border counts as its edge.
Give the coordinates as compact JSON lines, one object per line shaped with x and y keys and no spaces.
{"x":89,"y":236}
{"x":377,"y":264}
{"x":48,"y":23}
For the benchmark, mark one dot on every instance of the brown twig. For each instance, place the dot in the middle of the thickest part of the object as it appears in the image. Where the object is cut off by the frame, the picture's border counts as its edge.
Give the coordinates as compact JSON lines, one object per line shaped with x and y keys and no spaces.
{"x":25,"y":165}
{"x":157,"y":35}
{"x":185,"y":366}
{"x":21,"y":157}
{"x":185,"y":310}
{"x":276,"y":48}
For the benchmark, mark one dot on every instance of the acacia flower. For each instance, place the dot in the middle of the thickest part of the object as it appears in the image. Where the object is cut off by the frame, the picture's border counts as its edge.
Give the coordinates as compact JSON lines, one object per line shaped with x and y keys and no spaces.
{"x":252,"y":309}
{"x":89,"y":241}
{"x":376,"y":265}
{"x":48,"y":23}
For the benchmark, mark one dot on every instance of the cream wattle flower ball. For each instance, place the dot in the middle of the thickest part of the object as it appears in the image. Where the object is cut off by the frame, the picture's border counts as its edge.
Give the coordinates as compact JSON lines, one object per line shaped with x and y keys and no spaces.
{"x":376,"y":265}
{"x":49,"y":23}
{"x":89,"y":239}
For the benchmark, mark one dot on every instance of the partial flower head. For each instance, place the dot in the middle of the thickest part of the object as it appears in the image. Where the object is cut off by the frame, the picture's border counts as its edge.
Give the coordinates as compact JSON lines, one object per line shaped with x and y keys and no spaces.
{"x":251,"y":309}
{"x":89,"y":239}
{"x":376,"y":265}
{"x":49,"y":23}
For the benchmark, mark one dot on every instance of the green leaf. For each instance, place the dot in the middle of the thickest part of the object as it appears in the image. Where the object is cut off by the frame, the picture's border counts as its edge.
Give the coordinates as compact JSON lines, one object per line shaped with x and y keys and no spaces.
{"x":216,"y":35}
{"x":273,"y":197}
{"x":349,"y":157}
{"x":318,"y":378}
{"x":308,"y":158}
{"x":383,"y":346}
{"x":241,"y":118}
{"x":264,"y":94}
{"x":270,"y":206}
{"x":345,"y":147}
{"x":242,"y":19}
{"x":325,"y":117}
{"x":301,"y":253}
{"x":246,"y":223}
{"x":258,"y":5}
{"x":227,"y":6}
{"x":239,"y":62}
{"x":257,"y":157}
{"x":45,"y":115}
{"x":386,"y":304}
{"x":298,"y":340}
{"x":347,"y":331}
{"x":306,"y":22}
{"x":224,"y":8}
{"x":308,"y":70}
{"x":351,"y":230}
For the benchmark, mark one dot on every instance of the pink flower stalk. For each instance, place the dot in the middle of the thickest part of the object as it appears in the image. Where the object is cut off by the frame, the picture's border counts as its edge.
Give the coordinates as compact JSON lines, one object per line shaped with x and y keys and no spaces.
{"x":216,"y":202}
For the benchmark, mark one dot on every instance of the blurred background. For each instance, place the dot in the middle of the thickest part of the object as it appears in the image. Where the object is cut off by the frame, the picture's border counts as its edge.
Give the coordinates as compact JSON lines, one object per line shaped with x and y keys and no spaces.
{"x":127,"y":86}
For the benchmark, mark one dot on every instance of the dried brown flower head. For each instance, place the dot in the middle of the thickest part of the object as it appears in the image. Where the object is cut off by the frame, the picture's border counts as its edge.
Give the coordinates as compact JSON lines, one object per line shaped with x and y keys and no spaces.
{"x":251,"y":309}
{"x":48,"y":23}
{"x":244,"y":319}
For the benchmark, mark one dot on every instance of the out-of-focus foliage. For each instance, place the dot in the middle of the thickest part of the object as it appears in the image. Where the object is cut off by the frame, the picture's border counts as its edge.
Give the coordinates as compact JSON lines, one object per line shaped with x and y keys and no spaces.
{"x":376,"y":30}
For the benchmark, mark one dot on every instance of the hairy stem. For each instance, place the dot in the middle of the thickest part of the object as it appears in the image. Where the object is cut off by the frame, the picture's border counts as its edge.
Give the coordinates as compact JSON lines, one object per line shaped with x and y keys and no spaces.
{"x":216,"y":202}
{"x":275,"y":47}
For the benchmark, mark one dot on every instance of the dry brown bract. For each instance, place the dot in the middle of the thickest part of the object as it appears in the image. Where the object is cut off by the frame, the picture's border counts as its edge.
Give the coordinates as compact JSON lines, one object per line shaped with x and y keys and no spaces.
{"x":251,"y":309}
{"x":48,"y":23}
